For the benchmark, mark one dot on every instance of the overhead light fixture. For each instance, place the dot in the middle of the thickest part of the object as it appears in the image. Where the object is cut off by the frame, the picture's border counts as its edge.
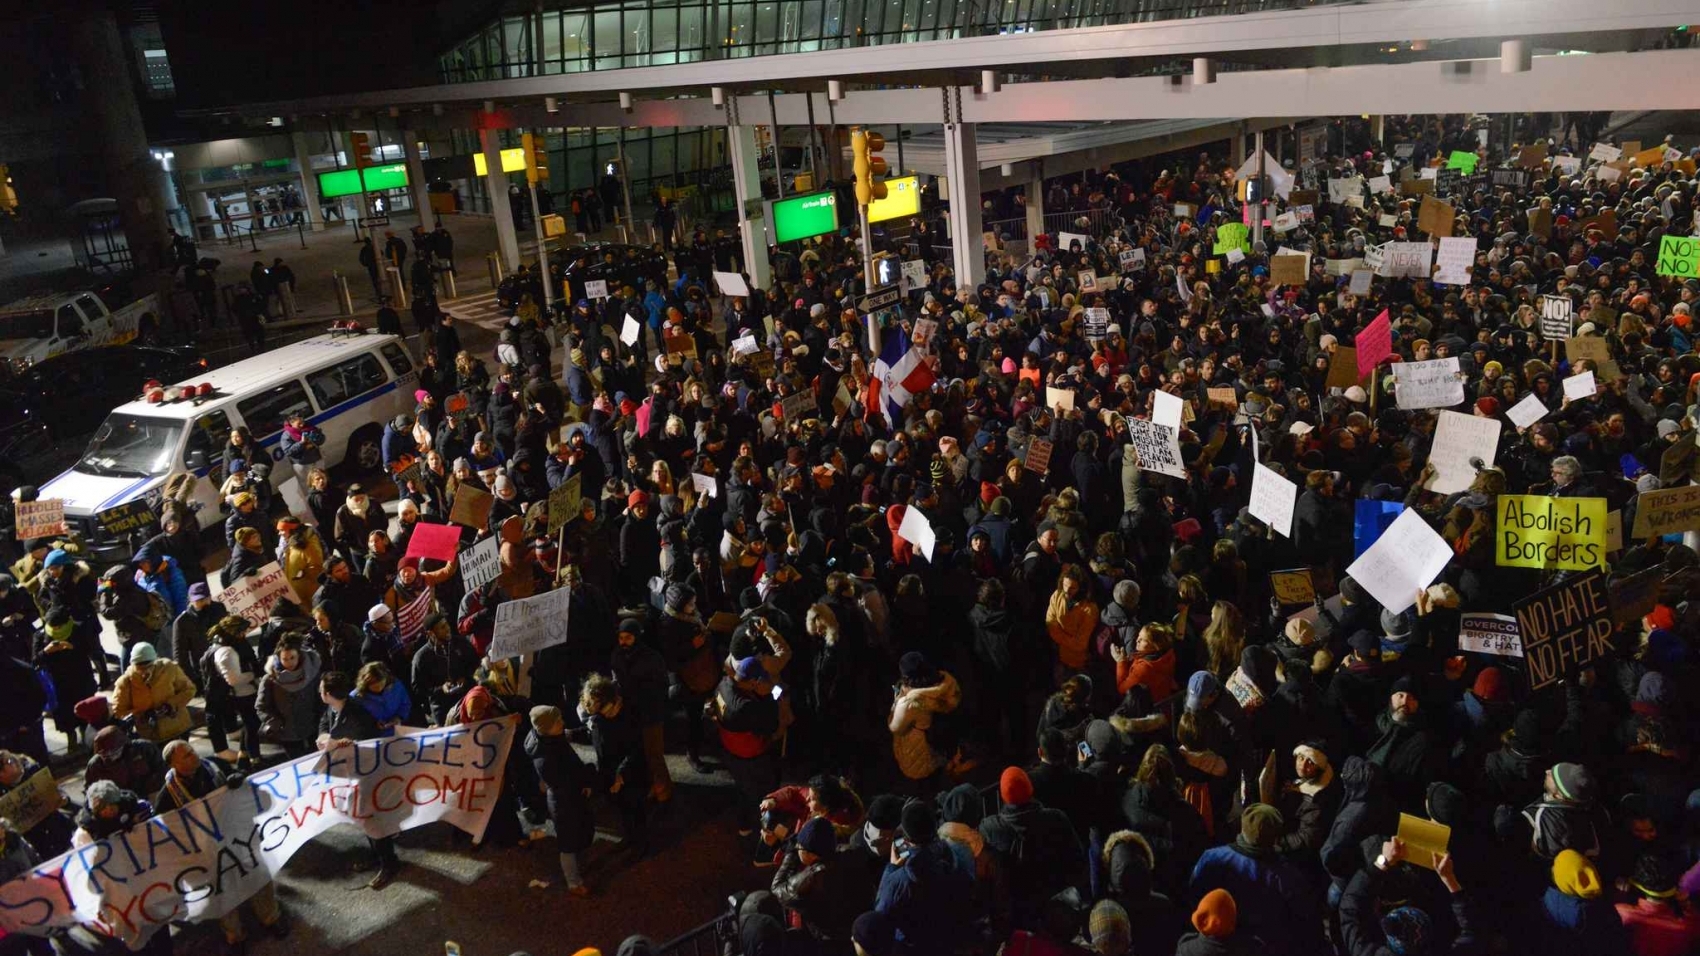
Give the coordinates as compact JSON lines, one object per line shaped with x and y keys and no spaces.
{"x":436,"y":109}
{"x":1514,"y":56}
{"x":1203,"y":71}
{"x":989,"y":81}
{"x":395,"y":112}
{"x":835,"y":90}
{"x":717,"y":94}
{"x":551,"y":105}
{"x":626,"y":102}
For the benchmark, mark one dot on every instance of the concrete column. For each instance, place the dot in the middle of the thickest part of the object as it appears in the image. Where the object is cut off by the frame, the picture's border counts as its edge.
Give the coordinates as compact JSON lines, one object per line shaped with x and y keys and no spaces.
{"x":416,"y":179}
{"x":746,"y":184}
{"x":1377,"y":127}
{"x":1035,"y":194}
{"x":962,"y":165}
{"x":496,"y":184}
{"x":1239,"y":145}
{"x":134,"y":177}
{"x":309,"y":182}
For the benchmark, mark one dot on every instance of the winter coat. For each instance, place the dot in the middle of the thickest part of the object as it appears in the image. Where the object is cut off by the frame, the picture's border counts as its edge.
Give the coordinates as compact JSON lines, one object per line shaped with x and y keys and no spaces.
{"x":1366,"y":809}
{"x":1566,"y":925}
{"x":927,"y":898}
{"x":1276,"y":901}
{"x":911,"y":716}
{"x":288,"y":701}
{"x":1412,"y":756}
{"x":642,"y":674}
{"x":1239,"y":944}
{"x":1155,"y":672}
{"x":167,"y":581}
{"x":1041,"y":854}
{"x":565,"y":779}
{"x":1071,"y":627}
{"x":393,"y":703}
{"x":144,"y":689}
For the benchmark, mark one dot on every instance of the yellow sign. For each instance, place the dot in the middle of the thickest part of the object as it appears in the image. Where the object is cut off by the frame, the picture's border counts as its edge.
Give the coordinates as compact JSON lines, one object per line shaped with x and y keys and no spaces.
{"x":513,"y":161}
{"x":902,"y":198}
{"x":1540,"y":532}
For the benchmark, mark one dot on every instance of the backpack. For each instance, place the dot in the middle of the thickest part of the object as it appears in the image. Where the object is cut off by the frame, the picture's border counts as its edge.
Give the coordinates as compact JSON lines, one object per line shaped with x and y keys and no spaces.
{"x":158,"y":614}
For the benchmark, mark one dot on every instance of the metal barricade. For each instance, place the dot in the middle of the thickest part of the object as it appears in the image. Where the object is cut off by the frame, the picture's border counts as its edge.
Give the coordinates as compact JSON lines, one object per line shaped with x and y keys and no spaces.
{"x":398,"y":287}
{"x":705,"y":940}
{"x":344,"y":299}
{"x":494,"y":262}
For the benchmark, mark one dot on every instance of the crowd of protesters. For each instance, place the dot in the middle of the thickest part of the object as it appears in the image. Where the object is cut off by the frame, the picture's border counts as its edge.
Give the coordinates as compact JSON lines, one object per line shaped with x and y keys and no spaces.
{"x":976,"y":698}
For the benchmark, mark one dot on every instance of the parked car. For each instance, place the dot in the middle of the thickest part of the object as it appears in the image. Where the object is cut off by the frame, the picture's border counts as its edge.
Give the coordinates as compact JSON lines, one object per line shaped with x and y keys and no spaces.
{"x":39,"y":327}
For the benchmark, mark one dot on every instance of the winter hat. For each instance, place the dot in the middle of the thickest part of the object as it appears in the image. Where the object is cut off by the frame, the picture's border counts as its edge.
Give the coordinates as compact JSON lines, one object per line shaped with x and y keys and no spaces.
{"x":915,"y":668}
{"x":1014,"y":787}
{"x":199,"y":591}
{"x":1395,"y":626}
{"x":1364,"y":642}
{"x":962,"y":804}
{"x":1526,"y":729}
{"x":1352,"y":592}
{"x":750,"y":669}
{"x":886,"y":812}
{"x":110,"y":739}
{"x":1667,"y":427}
{"x":1575,"y":876}
{"x":1216,"y":915}
{"x":143,"y":653}
{"x":639,"y":497}
{"x":817,"y":837}
{"x":1407,"y":930}
{"x":1102,"y":737}
{"x":1201,"y":689}
{"x":630,"y":625}
{"x":1488,"y":405}
{"x":1490,"y":684}
{"x":1356,"y":395}
{"x":1404,"y":685}
{"x":1260,"y":825}
{"x":1109,"y":927}
{"x":1300,"y":632}
{"x":1573,"y":780}
{"x":920,"y":824}
{"x":1654,"y":691}
{"x":875,"y":933}
{"x":1446,"y":803}
{"x":57,"y":557}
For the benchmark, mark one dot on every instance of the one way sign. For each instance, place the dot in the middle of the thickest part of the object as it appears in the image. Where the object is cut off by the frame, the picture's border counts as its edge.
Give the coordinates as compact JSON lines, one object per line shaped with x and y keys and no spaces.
{"x":879,"y":299}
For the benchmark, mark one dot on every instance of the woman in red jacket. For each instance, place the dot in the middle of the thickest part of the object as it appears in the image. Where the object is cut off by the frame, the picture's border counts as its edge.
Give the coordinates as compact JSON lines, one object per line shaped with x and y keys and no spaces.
{"x":1151,"y":662}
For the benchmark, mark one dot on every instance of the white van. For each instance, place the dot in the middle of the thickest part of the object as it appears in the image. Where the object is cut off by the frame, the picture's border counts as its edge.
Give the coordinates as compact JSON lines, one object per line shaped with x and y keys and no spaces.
{"x":348,"y":385}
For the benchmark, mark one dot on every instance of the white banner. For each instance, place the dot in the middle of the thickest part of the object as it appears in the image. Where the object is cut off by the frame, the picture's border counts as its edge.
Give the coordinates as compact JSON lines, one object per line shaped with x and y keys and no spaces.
{"x":1457,"y":439}
{"x":1490,"y":634}
{"x":1433,"y":384}
{"x":202,"y":861}
{"x":529,"y":625}
{"x":1066,"y":241}
{"x":1159,"y":448}
{"x":252,"y":597}
{"x":1407,"y":556}
{"x":481,"y":563}
{"x":1272,"y":500}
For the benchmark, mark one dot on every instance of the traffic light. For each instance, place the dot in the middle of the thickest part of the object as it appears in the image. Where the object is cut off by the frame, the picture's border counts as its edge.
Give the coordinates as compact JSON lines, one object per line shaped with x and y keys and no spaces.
{"x":864,"y":146}
{"x":361,"y":147}
{"x":536,"y":158}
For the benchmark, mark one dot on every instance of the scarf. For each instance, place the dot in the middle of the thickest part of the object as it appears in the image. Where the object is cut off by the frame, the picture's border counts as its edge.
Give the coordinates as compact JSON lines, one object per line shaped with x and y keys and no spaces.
{"x":358,"y":510}
{"x":299,"y":679}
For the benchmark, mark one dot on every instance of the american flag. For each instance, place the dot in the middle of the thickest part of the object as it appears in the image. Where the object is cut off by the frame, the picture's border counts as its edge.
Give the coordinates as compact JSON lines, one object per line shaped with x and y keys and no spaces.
{"x":410,"y":620}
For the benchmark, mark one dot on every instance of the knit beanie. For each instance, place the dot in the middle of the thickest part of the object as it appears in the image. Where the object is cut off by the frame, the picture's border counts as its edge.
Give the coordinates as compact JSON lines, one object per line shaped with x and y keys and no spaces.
{"x":1489,"y":685}
{"x":1109,"y":927}
{"x":886,"y":812}
{"x":1407,"y":929}
{"x":1575,"y":876}
{"x":920,"y":823}
{"x":1573,"y":781}
{"x":1260,"y":826}
{"x":1216,"y":914}
{"x":1014,"y":786}
{"x":817,"y":837}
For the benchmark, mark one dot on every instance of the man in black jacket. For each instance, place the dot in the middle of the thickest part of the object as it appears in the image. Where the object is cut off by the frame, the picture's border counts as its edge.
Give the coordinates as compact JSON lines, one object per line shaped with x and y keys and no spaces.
{"x":341,"y":725}
{"x":1038,"y":846}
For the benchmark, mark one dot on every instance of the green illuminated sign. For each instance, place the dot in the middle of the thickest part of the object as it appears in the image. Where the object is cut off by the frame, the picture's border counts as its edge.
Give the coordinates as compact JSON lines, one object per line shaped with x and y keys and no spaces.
{"x":801,"y":217}
{"x":345,"y":182}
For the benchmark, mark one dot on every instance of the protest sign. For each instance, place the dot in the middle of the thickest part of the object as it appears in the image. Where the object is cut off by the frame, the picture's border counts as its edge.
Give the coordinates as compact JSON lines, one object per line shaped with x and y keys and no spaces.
{"x":471,"y":507}
{"x":430,"y":540}
{"x":1564,"y":628}
{"x":629,"y":330}
{"x":1290,"y":269}
{"x":1446,"y":181}
{"x":705,"y":485}
{"x":1272,"y":499}
{"x":1232,"y":235}
{"x":1342,"y":368}
{"x":202,"y":861}
{"x":1159,"y":448}
{"x":1132,"y":260}
{"x":1536,"y":531}
{"x":744,"y":345}
{"x":1579,"y":386}
{"x":1425,"y":840}
{"x":798,"y":406}
{"x":31,"y":801}
{"x":1667,"y":511}
{"x":1235,"y":257}
{"x":1634,"y":597}
{"x":1556,"y":312}
{"x":252,"y":597}
{"x":1541,"y":222}
{"x":731,"y":283}
{"x":1533,"y":156}
{"x":42,"y":518}
{"x":1528,"y":411}
{"x":1097,"y":324}
{"x":1594,"y":350}
{"x":1416,"y":187}
{"x":138,"y":514}
{"x":1604,"y":153}
{"x":918,"y":531}
{"x":1614,"y":531}
{"x":1407,"y":556}
{"x":1066,"y":241}
{"x":1088,"y":281}
{"x":1380,"y":184}
{"x":1456,"y":258}
{"x":1407,"y":259}
{"x":596,"y":288}
{"x":1434,"y":217}
{"x":1336,"y":268}
{"x":914,"y":275}
{"x":1514,"y":179}
{"x":1436,"y":383}
{"x":481,"y":563}
{"x":1464,"y":162}
{"x":1038,"y":457}
{"x":1286,"y":222}
{"x":680,"y":344}
{"x":1059,"y":399}
{"x":564,"y":502}
{"x":1490,"y":634}
{"x":1375,"y":259}
{"x":1223,"y":397}
{"x":1458,"y":439}
{"x":1370,"y":520}
{"x":1339,"y":190}
{"x":1360,"y":283}
{"x":1292,"y":588}
{"x":1166,"y":409}
{"x":1678,"y":256}
{"x":531,"y":624}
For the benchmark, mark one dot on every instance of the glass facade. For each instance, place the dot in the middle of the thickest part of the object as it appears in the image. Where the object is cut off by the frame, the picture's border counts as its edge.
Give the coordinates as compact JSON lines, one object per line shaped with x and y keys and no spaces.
{"x":686,"y":163}
{"x":634,"y":33}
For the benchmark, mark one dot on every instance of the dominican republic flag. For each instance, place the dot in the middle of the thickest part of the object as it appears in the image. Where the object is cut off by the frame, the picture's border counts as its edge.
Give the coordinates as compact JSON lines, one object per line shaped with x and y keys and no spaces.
{"x":901,"y":381}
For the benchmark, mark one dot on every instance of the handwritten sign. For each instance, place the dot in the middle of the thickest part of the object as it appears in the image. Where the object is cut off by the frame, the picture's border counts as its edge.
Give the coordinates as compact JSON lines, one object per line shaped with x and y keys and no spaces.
{"x":1528,"y":411}
{"x":731,"y":283}
{"x":252,"y":597}
{"x":1564,"y":628}
{"x":1159,"y":448}
{"x":1667,"y":511}
{"x":1457,"y":256}
{"x":1223,"y":397}
{"x":596,"y":288}
{"x":1272,"y":500}
{"x":1292,"y":588}
{"x":1433,"y":384}
{"x":127,"y":517}
{"x":40,"y":519}
{"x":1458,"y":439}
{"x":481,"y":563}
{"x":439,"y":542}
{"x":1407,"y":556}
{"x":1059,"y":399}
{"x":1678,"y":256}
{"x":31,"y":801}
{"x":530,"y":625}
{"x":798,"y":406}
{"x":1038,"y":456}
{"x":1536,"y":531}
{"x":1132,"y":260}
{"x":472,"y":507}
{"x":1490,"y":634}
{"x":1579,"y":386}
{"x":564,"y":502}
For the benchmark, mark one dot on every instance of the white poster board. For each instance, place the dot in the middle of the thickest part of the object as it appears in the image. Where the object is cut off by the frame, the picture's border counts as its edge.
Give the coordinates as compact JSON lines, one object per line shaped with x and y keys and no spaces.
{"x":1059,"y":399}
{"x":1272,"y":500}
{"x":1528,"y":411}
{"x":596,"y":288}
{"x":918,"y":531}
{"x":705,"y":486}
{"x":1066,"y":241}
{"x":481,"y":563}
{"x":1159,"y":448}
{"x":731,"y":283}
{"x":531,"y":624}
{"x":1132,"y":260}
{"x":290,"y":489}
{"x":1579,"y":386}
{"x":252,"y":597}
{"x":1457,"y":439}
{"x":629,"y":330}
{"x":1457,"y":255}
{"x":1436,"y":383}
{"x":1407,"y":556}
{"x":1361,"y":280}
{"x":1166,"y":409}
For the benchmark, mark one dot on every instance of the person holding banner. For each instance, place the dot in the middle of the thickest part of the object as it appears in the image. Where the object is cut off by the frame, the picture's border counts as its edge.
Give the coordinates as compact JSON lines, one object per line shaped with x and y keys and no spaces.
{"x":343,"y":723}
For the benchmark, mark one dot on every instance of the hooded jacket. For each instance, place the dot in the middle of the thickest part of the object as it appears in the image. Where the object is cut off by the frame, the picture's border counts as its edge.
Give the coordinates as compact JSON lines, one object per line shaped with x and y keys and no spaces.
{"x":911,"y":716}
{"x":1041,"y":854}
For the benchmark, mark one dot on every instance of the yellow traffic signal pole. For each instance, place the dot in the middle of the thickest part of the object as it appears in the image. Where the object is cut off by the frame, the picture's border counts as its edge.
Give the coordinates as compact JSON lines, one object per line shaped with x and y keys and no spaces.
{"x":532,"y":143}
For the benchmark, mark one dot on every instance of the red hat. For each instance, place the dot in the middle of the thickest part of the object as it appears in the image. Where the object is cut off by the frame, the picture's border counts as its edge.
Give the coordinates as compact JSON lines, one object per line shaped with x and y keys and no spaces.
{"x":639,"y":497}
{"x":411,"y":561}
{"x":1490,"y":684}
{"x":1014,"y":787}
{"x":988,"y":492}
{"x":1488,"y":405}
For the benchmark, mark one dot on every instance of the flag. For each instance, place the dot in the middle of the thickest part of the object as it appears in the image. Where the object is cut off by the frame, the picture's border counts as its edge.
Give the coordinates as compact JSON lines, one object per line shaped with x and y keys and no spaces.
{"x":909,"y":376}
{"x":410,"y":620}
{"x":894,"y":347}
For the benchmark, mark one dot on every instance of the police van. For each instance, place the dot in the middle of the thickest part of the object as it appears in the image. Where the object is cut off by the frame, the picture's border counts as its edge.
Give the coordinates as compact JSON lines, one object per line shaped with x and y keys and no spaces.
{"x":346,"y":384}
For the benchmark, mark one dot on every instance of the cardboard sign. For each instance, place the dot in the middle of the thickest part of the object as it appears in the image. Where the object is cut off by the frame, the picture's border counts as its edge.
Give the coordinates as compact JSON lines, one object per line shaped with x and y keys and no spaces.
{"x":1458,"y":439}
{"x":798,"y":406}
{"x":529,"y":625}
{"x":596,"y":288}
{"x":1416,"y":187}
{"x":1667,"y":511}
{"x":1594,"y":350}
{"x":1533,"y":156}
{"x":1634,"y":597}
{"x":1678,"y":256}
{"x":125,"y":518}
{"x":1289,"y":270}
{"x":1564,"y":628}
{"x":40,"y":519}
{"x":1436,"y":383}
{"x":731,"y":283}
{"x":1557,"y":313}
{"x":472,"y":507}
{"x":440,"y":542}
{"x":1495,"y":634}
{"x":1536,"y":531}
{"x":1132,"y":260}
{"x":1540,"y":222}
{"x":1272,"y":500}
{"x":1059,"y":399}
{"x":1224,"y":398}
{"x":252,"y":597}
{"x":1605,"y":222}
{"x":1342,"y":368}
{"x":1408,"y":556}
{"x":31,"y":801}
{"x":1434,"y":217}
{"x":481,"y":563}
{"x":565,"y":502}
{"x":413,"y":471}
{"x":681,"y":345}
{"x":1038,"y":456}
{"x":1425,"y":840}
{"x":1292,"y":588}
{"x":1159,"y":448}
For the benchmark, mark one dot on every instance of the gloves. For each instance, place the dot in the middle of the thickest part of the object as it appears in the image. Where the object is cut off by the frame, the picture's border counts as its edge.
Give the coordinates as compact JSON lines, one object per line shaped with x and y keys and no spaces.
{"x":235,"y":780}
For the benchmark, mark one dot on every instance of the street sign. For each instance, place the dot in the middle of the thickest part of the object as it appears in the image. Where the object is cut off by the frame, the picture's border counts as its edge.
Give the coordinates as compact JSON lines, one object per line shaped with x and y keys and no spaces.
{"x":368,"y":222}
{"x":880,"y":299}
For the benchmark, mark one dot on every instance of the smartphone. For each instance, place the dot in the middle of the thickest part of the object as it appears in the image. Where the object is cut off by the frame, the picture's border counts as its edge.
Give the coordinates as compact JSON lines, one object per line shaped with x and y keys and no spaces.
{"x":901,"y":846}
{"x":1084,"y":749}
{"x":777,"y":691}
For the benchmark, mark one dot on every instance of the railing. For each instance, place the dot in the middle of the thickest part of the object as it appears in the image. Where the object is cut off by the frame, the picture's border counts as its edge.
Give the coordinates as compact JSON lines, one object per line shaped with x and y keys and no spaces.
{"x":1092,"y":222}
{"x":705,"y":940}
